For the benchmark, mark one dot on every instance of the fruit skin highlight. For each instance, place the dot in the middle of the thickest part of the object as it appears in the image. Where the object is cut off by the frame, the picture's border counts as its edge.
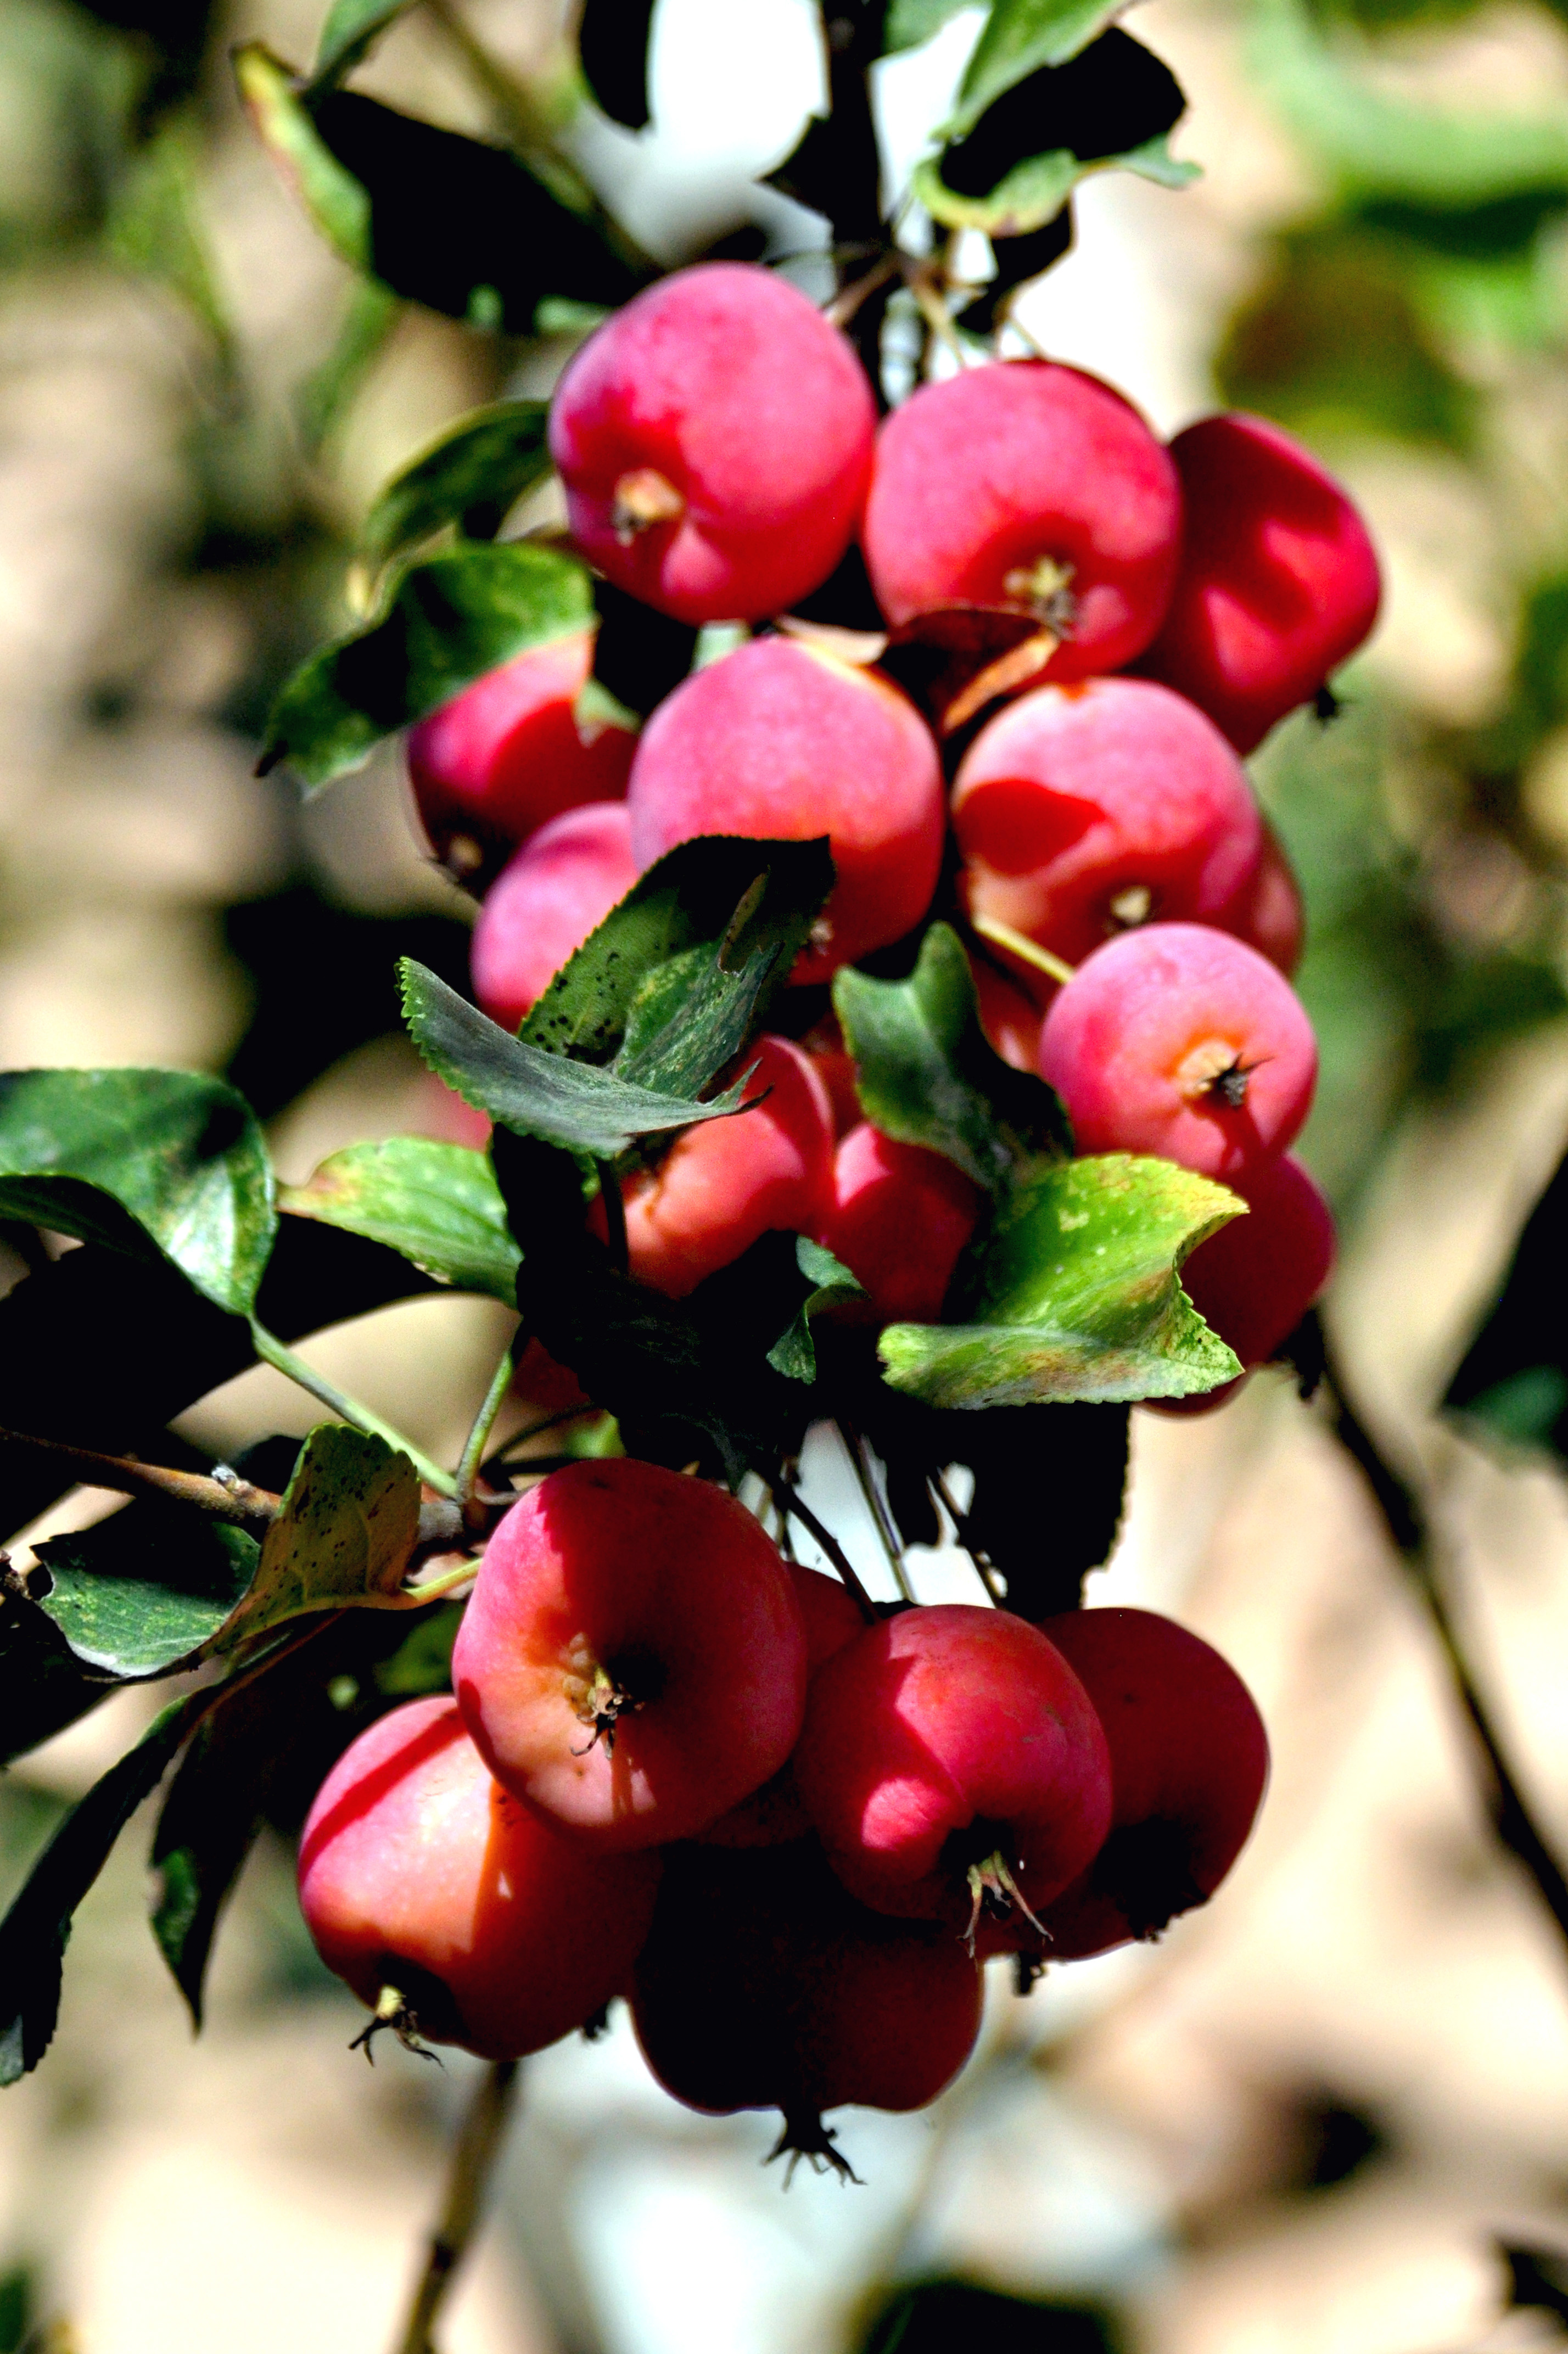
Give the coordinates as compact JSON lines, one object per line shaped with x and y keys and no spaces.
{"x":1278,"y":582}
{"x":1085,"y":812}
{"x":418,"y":1871}
{"x":714,"y":441}
{"x":1184,"y":1043}
{"x":558,"y":888}
{"x":633,"y":1662}
{"x":898,"y":1218}
{"x":1189,"y":1761}
{"x":782,"y":742}
{"x":1030,"y":486}
{"x":508,"y":754}
{"x":943,"y":1743}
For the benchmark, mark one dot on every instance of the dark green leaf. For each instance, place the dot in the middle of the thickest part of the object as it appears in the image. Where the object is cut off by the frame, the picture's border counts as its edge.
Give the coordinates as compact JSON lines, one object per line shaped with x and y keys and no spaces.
{"x":145,"y":1161}
{"x":351,"y":30}
{"x":140,"y":1592}
{"x":1512,"y":1384}
{"x":344,"y":1530}
{"x":794,"y":1354}
{"x":926,"y":1073}
{"x":571,"y":1105}
{"x":423,"y":1663}
{"x":1074,"y":1293}
{"x":437,"y":1205}
{"x":43,"y":1686}
{"x":614,"y":38}
{"x":1020,"y":37}
{"x":208,"y":1824}
{"x":34,"y":1932}
{"x":449,"y":621}
{"x":470,"y":474}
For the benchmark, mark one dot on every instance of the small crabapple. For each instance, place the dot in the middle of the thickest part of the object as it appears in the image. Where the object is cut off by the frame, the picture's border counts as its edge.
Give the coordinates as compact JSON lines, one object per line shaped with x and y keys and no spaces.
{"x":724,"y":1182}
{"x":557,"y":889}
{"x":633,"y":1660}
{"x":776,"y":1813}
{"x":1267,"y":912}
{"x":783,"y":741}
{"x":509,"y":752}
{"x":1189,"y":1758}
{"x":1182,"y":1042}
{"x":419,"y":1873}
{"x":1255,"y":1278}
{"x":1081,"y":811}
{"x":834,"y":1066}
{"x":1278,"y":581}
{"x":1031,"y":487}
{"x":714,"y":439}
{"x":1009,"y":1015}
{"x":898,"y":1218}
{"x":952,"y":1761}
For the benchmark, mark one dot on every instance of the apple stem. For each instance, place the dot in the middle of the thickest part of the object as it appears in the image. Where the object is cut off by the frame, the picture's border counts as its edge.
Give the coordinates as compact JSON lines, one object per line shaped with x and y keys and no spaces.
{"x":1019,"y":944}
{"x":479,"y":2142}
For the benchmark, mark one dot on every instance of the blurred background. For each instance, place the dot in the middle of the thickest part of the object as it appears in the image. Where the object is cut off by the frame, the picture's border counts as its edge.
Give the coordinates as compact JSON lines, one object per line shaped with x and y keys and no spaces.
{"x":1316,"y":2119}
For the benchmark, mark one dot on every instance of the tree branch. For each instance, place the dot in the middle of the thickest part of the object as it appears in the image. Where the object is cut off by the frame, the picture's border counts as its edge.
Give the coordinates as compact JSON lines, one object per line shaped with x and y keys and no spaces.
{"x":225,"y":1499}
{"x":479,"y":2141}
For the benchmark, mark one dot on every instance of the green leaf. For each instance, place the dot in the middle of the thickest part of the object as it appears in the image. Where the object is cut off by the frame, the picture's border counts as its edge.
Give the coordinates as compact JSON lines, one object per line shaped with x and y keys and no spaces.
{"x":1020,"y":37}
{"x":422,"y":1662}
{"x":147,"y":1163}
{"x":351,"y":29}
{"x":926,"y":1073}
{"x":574,"y":1106}
{"x":43,"y":1686}
{"x":1074,"y":1294}
{"x":156,"y":226}
{"x":794,"y":1354}
{"x":1030,"y":195}
{"x":345,"y":1527}
{"x":912,"y":23}
{"x":33,"y":1933}
{"x":1512,"y":1384}
{"x":470,"y":474}
{"x":208,"y":1823}
{"x":337,"y":204}
{"x":672,"y":984}
{"x":436,"y":1204}
{"x":449,"y":620}
{"x":139,"y":1594}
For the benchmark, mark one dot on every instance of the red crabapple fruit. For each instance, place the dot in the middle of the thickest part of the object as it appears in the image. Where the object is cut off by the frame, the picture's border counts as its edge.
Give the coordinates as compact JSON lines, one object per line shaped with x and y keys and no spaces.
{"x":1267,"y":912}
{"x":1279,"y":580}
{"x":834,"y":1066}
{"x":952,"y":1764}
{"x":1009,"y":1016}
{"x":764,"y":1985}
{"x":1255,"y":1278}
{"x":782,"y":741}
{"x":1083,"y":812}
{"x":777,"y":1813}
{"x":509,"y":753}
{"x":419,"y":1872}
{"x":633,"y":1662}
{"x":540,"y":910}
{"x":724,"y":1182}
{"x":898,"y":1219}
{"x":714,"y":439}
{"x":1029,"y":486}
{"x":1182,"y":1042}
{"x":1189,"y":1759}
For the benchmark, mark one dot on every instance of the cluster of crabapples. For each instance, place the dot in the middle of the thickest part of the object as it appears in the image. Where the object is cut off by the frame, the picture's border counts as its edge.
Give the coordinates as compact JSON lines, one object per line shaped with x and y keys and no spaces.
{"x":676,"y":1765}
{"x":681,"y":1769}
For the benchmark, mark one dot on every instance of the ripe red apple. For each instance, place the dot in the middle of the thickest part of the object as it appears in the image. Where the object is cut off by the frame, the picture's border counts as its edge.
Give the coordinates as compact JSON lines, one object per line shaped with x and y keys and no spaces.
{"x":1267,"y":912}
{"x":509,"y":753}
{"x":633,"y":1660}
{"x":782,"y":741}
{"x":418,"y":1872}
{"x":1083,"y":812}
{"x":1009,"y":1015}
{"x":898,"y":1218}
{"x":777,"y":1813}
{"x":1182,"y":1042}
{"x":714,"y":441}
{"x":1033,"y":487}
{"x":1255,"y":1278}
{"x":1278,"y":582}
{"x":558,"y":888}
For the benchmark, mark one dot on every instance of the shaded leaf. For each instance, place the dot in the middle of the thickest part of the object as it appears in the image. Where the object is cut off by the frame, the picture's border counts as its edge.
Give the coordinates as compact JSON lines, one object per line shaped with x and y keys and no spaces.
{"x":351,"y":30}
{"x":1073,"y":1293}
{"x":470,"y":474}
{"x":145,"y":1161}
{"x":1020,"y":37}
{"x":422,"y":1662}
{"x":794,"y":1354}
{"x":139,"y":1594}
{"x":926,"y":1073}
{"x":447,"y":621}
{"x":1512,"y":1383}
{"x":614,"y":38}
{"x":575,"y":1105}
{"x":43,"y":1686}
{"x":207,"y":1825}
{"x":437,"y":1205}
{"x":345,"y":1527}
{"x":338,"y":205}
{"x":1018,"y":260}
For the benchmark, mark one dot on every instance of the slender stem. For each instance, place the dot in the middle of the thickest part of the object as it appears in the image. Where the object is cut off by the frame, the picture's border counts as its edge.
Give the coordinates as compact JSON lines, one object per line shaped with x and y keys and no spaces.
{"x":859,"y":1456}
{"x":276,"y":1352}
{"x":231,"y":1498}
{"x":485,"y":1420}
{"x":1406,"y":1519}
{"x":614,"y":1217}
{"x":479,"y":2141}
{"x":795,"y":1504}
{"x":1019,"y":944}
{"x":983,"y":1568}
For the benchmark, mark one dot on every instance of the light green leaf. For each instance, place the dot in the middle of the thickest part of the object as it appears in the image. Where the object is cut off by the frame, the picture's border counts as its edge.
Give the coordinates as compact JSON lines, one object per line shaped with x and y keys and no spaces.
{"x":345,"y":1527}
{"x":148,"y":1163}
{"x":436,"y":1204}
{"x":1030,"y":194}
{"x":574,"y":1106}
{"x":1020,"y":37}
{"x":1074,"y":1294}
{"x":794,"y":1354}
{"x":926,"y":1073}
{"x":912,"y":23}
{"x":335,"y":200}
{"x":448,"y":622}
{"x":1153,"y":161}
{"x":351,"y":29}
{"x":139,"y":1594}
{"x":486,"y":461}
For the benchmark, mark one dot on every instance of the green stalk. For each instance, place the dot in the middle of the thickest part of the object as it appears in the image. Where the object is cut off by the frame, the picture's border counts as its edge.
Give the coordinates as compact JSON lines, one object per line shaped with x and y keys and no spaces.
{"x":277,"y":1354}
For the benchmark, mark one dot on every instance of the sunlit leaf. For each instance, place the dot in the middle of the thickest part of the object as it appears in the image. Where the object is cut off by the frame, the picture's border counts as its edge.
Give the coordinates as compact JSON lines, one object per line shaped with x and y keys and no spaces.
{"x":437,"y":1205}
{"x":347,"y":1525}
{"x":794,"y":1354}
{"x":140,"y":1592}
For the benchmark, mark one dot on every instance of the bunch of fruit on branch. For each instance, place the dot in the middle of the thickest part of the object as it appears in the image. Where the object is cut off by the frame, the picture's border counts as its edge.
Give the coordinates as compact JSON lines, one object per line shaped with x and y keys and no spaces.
{"x":1003,"y":651}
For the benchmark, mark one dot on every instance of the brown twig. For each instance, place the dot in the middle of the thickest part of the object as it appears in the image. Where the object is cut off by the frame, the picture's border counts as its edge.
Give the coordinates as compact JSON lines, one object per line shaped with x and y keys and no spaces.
{"x":801,"y":1511}
{"x":479,"y":2141}
{"x":224,"y":1498}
